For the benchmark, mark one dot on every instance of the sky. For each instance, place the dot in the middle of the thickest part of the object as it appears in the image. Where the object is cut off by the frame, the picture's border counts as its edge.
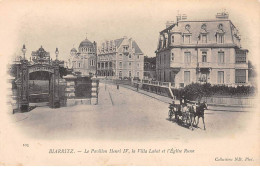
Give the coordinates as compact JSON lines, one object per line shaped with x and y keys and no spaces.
{"x":64,"y":24}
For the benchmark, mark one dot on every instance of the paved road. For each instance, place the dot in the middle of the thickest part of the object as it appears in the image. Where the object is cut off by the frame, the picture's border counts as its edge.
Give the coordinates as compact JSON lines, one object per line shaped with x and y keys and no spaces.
{"x":123,"y":114}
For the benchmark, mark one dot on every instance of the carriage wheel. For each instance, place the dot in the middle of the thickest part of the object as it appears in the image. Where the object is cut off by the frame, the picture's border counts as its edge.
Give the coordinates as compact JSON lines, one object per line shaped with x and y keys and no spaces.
{"x":170,"y":114}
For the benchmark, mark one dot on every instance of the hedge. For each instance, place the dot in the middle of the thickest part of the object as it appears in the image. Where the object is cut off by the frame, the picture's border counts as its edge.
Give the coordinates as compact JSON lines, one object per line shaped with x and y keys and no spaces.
{"x":196,"y":91}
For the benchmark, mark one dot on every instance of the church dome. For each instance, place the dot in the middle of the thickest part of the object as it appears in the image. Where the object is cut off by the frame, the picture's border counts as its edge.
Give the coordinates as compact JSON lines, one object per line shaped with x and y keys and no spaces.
{"x":86,"y":44}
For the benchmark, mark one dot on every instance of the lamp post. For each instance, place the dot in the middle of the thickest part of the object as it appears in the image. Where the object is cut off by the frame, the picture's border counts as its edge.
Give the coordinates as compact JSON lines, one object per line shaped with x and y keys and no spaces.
{"x":24,"y":51}
{"x":57,"y":53}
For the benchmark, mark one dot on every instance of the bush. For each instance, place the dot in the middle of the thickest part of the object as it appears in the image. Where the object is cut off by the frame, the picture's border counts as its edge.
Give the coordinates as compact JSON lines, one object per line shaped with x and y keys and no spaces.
{"x":196,"y":91}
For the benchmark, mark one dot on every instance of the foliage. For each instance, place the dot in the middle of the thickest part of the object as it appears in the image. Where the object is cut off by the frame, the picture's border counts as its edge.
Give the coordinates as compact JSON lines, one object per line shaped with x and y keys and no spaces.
{"x":196,"y":91}
{"x":63,"y":71}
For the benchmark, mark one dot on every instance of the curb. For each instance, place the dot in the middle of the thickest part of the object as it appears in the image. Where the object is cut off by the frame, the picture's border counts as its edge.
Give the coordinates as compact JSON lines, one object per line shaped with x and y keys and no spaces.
{"x":216,"y":105}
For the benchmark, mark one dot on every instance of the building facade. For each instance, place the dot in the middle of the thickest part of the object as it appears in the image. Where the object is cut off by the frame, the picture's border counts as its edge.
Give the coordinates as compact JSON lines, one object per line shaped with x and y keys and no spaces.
{"x":83,"y":61}
{"x":149,"y":68}
{"x":120,"y":58}
{"x":201,"y":51}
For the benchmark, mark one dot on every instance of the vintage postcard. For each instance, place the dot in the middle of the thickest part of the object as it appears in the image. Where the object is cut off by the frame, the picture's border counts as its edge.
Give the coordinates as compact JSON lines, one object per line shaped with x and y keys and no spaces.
{"x":129,"y":83}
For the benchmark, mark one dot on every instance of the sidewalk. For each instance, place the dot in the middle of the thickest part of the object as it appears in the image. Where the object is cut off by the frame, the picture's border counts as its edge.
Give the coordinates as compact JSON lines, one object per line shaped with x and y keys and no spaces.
{"x":104,"y":97}
{"x":168,"y":100}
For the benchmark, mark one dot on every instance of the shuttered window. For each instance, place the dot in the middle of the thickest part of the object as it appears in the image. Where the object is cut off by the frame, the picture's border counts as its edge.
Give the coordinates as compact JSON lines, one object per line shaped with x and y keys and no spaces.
{"x":240,"y":76}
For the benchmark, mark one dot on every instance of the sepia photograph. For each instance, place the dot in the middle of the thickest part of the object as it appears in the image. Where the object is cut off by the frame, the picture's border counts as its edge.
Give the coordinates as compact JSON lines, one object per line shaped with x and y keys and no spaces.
{"x":129,"y":83}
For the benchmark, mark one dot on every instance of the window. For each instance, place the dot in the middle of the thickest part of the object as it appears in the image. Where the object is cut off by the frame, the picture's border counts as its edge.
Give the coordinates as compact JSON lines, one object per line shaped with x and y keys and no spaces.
{"x":125,"y":48}
{"x":204,"y":56}
{"x":186,"y":77}
{"x":240,"y":56}
{"x":137,"y":74}
{"x":79,"y":65}
{"x":240,"y":76}
{"x":130,"y":56}
{"x":138,"y":65}
{"x":92,"y":62}
{"x":120,"y":73}
{"x":221,"y":57}
{"x":204,"y":38}
{"x":120,"y":65}
{"x":138,"y":57}
{"x":187,"y":57}
{"x":220,"y":38}
{"x":172,"y":39}
{"x":130,"y":74}
{"x":186,"y":39}
{"x":130,"y":64}
{"x":172,"y":58}
{"x":220,"y":77}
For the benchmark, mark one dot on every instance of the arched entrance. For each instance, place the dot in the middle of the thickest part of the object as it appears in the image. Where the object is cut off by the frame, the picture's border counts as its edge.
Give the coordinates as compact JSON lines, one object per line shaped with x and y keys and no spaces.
{"x":39,"y":88}
{"x":38,"y":81}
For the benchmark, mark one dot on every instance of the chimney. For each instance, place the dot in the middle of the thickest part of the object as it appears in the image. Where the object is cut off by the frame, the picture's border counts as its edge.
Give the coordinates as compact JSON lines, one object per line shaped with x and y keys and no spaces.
{"x":178,"y":17}
{"x":183,"y":17}
{"x":222,"y":15}
{"x":130,"y":43}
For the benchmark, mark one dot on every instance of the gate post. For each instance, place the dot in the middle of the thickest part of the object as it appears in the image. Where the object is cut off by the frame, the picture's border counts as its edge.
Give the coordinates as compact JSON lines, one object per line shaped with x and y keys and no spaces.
{"x":94,"y":91}
{"x":55,"y":99}
{"x":24,"y":95}
{"x":70,"y":89}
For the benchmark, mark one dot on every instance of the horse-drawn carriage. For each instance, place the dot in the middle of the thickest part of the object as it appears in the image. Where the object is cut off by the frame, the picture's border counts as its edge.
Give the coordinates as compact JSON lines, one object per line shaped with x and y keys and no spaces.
{"x":186,"y":113}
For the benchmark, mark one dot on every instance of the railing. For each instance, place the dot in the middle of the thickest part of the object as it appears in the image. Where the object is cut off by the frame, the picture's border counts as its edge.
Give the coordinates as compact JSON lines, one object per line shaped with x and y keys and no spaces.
{"x":204,"y":65}
{"x":160,"y":84}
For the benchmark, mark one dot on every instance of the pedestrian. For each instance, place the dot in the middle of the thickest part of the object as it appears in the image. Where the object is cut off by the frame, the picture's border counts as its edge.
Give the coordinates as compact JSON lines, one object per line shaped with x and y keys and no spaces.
{"x":137,"y":86}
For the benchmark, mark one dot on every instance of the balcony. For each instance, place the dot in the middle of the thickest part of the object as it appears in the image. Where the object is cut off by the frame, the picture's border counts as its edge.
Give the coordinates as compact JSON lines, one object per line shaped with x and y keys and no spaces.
{"x":175,"y":67}
{"x":204,"y":65}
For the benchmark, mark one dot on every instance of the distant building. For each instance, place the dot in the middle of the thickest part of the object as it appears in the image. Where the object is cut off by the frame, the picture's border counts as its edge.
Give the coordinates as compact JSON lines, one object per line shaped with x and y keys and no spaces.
{"x":83,"y":61}
{"x":203,"y":51}
{"x":149,"y":68}
{"x":120,"y":58}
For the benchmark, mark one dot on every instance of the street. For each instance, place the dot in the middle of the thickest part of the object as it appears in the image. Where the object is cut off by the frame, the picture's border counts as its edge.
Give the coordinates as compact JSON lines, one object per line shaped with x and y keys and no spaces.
{"x":125,"y":114}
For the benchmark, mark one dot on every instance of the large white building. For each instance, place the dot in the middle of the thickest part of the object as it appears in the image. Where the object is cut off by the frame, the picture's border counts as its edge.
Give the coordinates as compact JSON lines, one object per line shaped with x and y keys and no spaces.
{"x":83,"y":60}
{"x":203,"y":51}
{"x":120,"y":58}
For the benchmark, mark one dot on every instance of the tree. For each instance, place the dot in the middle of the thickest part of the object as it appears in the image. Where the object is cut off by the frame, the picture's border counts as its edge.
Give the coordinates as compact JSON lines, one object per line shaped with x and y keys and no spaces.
{"x":63,"y":71}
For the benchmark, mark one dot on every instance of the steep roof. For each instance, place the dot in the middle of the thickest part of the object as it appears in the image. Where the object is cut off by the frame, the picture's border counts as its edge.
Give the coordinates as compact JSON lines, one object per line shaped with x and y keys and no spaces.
{"x":137,"y":49}
{"x":118,"y":42}
{"x":211,"y":27}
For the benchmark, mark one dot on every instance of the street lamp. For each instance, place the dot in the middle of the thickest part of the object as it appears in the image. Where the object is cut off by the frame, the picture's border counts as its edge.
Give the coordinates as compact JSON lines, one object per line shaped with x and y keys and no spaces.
{"x":57,"y":53}
{"x":24,"y":51}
